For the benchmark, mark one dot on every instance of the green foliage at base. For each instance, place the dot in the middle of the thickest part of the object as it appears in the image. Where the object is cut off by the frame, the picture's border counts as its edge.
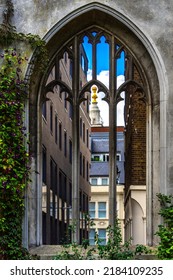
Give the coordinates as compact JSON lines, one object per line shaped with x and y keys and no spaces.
{"x":76,"y":252}
{"x":142,"y":249}
{"x":113,"y":250}
{"x":165,"y":231}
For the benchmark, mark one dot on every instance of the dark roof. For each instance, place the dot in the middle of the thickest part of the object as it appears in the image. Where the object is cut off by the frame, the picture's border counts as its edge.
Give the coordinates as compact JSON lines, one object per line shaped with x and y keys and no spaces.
{"x":101,"y":169}
{"x":100,"y":146}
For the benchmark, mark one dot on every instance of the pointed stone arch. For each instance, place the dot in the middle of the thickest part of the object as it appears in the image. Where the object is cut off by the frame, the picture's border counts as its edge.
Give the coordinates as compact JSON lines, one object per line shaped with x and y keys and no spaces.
{"x":151,"y":67}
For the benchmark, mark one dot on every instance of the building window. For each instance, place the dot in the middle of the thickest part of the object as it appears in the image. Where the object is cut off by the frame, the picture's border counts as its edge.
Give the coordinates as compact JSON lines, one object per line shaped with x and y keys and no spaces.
{"x":60,"y":136}
{"x":70,"y":151}
{"x":95,"y":158}
{"x":60,"y":184}
{"x":84,"y":132}
{"x":88,"y":104}
{"x":53,"y":175}
{"x":71,"y":68}
{"x":102,"y":236}
{"x":65,"y":143}
{"x":80,"y":163}
{"x":87,"y":171}
{"x":105,"y":157}
{"x":104,"y":181}
{"x":80,"y":127}
{"x":87,"y":136}
{"x":83,"y":167}
{"x":53,"y":186}
{"x":44,"y":164}
{"x":94,"y":181}
{"x":65,"y":101}
{"x":118,"y":157}
{"x":92,"y":237}
{"x":101,"y":210}
{"x":51,"y":118}
{"x":65,"y":188}
{"x":56,"y":129}
{"x":85,"y":203}
{"x":51,"y":205}
{"x":60,"y":93}
{"x":92,"y":210}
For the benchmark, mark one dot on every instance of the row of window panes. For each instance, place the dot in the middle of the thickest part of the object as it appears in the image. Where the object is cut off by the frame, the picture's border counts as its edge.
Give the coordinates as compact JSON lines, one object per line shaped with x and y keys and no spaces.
{"x":104,"y":157}
{"x":59,"y":133}
{"x":67,"y":107}
{"x":58,"y":128}
{"x":58,"y":186}
{"x":58,"y":181}
{"x":53,"y":169}
{"x":101,"y":211}
{"x":99,"y":181}
{"x":83,"y":164}
{"x":44,"y":109}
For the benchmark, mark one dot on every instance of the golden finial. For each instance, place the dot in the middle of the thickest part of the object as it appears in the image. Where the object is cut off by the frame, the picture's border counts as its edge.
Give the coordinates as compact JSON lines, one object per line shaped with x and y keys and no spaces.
{"x":94,"y":93}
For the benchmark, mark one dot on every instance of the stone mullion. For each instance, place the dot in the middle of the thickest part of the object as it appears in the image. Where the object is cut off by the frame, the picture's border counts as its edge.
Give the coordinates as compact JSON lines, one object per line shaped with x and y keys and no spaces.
{"x":112,"y":137}
{"x":75,"y":146}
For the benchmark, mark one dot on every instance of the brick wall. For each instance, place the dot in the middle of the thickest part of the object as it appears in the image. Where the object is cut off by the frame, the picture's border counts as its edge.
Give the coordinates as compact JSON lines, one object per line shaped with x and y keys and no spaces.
{"x":135,"y":135}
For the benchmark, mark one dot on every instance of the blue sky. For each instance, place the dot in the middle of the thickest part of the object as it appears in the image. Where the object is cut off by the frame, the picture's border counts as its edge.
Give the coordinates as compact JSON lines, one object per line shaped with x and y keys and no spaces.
{"x":103,"y":57}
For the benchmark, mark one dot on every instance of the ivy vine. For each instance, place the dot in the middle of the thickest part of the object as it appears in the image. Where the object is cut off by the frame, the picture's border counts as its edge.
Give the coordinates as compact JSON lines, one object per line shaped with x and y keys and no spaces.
{"x":165,"y":230}
{"x":14,"y":158}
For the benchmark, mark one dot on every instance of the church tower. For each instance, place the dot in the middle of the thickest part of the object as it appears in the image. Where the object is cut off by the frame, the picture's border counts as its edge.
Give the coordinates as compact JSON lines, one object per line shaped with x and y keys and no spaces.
{"x":96,"y":119}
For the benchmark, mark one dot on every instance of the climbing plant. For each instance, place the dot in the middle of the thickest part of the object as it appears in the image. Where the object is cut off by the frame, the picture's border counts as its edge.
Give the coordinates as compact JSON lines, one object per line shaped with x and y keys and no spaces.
{"x":14,"y":159}
{"x":14,"y":156}
{"x":115,"y":249}
{"x":165,"y":231}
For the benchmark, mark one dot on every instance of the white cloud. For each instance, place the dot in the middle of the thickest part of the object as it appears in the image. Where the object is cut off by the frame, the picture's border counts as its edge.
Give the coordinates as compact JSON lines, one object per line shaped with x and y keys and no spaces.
{"x":120,"y":106}
{"x":103,"y":76}
{"x":89,"y":75}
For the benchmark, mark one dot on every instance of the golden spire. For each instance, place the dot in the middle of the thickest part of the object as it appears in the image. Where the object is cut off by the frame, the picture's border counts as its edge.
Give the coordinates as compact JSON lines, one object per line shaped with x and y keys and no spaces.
{"x":94,"y":93}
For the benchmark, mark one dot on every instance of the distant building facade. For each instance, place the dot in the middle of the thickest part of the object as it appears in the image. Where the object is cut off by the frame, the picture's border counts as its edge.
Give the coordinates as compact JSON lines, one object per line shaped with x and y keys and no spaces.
{"x":57,"y":155}
{"x":99,"y":178}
